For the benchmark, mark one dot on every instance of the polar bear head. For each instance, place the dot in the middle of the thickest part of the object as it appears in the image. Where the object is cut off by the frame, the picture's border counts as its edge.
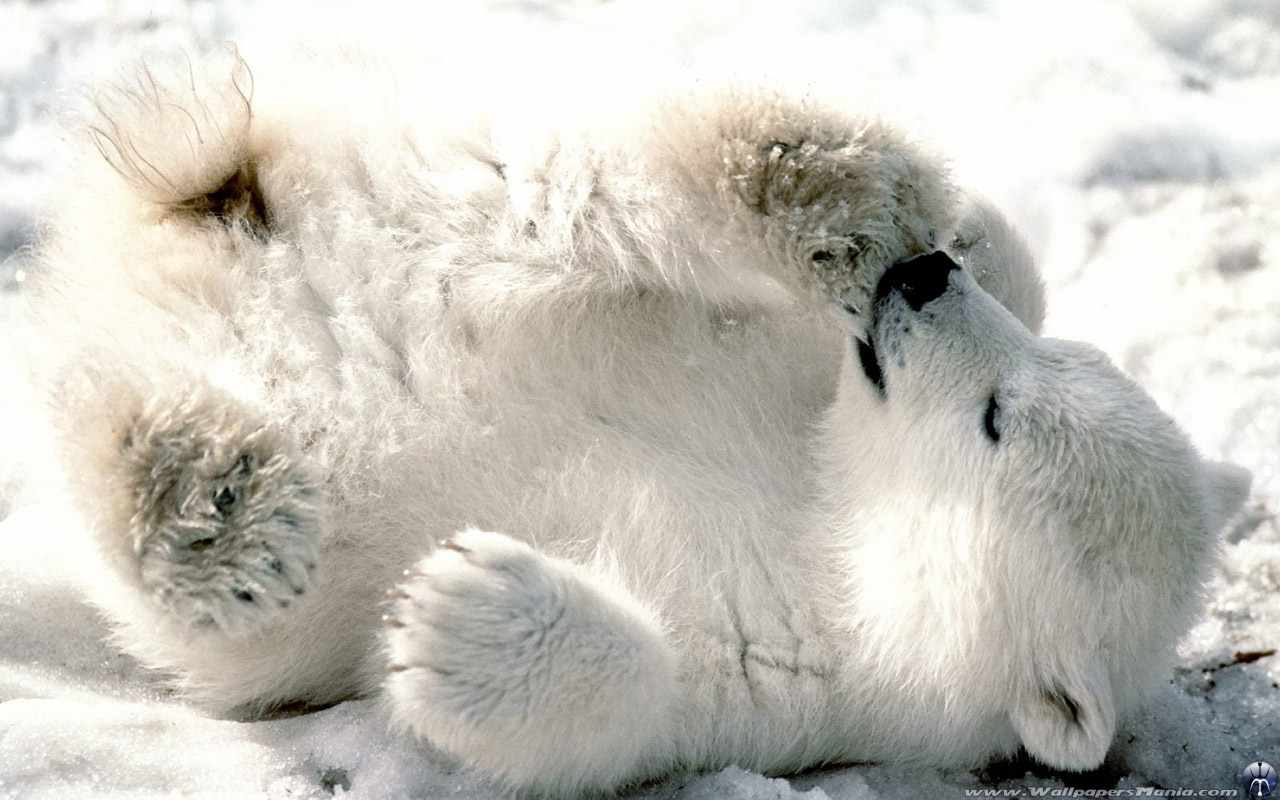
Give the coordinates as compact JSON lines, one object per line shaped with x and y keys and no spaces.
{"x":1024,"y":509}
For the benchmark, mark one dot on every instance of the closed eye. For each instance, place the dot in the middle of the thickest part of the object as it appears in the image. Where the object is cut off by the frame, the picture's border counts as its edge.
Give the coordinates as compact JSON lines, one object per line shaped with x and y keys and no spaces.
{"x":990,"y":420}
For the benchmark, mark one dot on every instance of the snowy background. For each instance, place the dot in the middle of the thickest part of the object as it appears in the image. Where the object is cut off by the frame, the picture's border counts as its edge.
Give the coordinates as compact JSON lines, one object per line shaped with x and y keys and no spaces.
{"x":1137,"y":146}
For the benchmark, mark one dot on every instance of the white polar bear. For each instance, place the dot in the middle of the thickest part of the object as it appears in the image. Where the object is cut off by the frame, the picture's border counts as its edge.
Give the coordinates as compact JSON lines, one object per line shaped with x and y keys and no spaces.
{"x":676,"y":431}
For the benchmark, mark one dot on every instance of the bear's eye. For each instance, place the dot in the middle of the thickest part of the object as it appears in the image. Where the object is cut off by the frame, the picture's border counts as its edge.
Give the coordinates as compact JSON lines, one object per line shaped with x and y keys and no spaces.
{"x":990,"y":420}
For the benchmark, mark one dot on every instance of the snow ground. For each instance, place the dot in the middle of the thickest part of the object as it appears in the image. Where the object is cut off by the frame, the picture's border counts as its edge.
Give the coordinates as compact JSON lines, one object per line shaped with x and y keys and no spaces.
{"x":1135,"y":143}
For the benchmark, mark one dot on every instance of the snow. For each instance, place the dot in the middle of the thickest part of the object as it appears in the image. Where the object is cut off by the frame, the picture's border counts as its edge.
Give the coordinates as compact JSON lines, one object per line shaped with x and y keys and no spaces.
{"x":1135,"y":144}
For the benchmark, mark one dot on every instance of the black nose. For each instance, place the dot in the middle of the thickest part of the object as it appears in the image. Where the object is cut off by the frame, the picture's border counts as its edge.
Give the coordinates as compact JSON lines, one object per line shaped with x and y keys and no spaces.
{"x":919,"y":279}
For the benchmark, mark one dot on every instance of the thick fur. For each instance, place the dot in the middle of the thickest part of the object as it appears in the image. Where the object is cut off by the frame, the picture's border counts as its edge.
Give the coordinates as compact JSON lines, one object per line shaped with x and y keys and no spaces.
{"x":583,"y":391}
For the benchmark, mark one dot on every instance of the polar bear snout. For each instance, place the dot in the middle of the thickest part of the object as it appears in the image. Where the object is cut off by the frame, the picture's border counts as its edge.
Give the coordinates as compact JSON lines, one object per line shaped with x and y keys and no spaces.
{"x":919,"y":280}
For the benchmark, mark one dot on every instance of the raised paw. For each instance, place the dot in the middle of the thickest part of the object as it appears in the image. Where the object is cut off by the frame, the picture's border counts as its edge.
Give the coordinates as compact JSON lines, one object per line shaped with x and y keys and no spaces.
{"x":842,"y":199}
{"x":224,"y":519}
{"x":531,"y":668}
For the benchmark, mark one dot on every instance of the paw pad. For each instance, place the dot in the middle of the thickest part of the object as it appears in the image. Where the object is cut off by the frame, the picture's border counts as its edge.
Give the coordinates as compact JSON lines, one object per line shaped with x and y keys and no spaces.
{"x":226,"y":520}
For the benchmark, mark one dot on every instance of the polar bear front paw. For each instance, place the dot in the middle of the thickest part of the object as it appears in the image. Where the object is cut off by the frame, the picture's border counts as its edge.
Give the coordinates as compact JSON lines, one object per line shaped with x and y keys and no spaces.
{"x":844,"y":200}
{"x":225,"y":520}
{"x":533,"y":669}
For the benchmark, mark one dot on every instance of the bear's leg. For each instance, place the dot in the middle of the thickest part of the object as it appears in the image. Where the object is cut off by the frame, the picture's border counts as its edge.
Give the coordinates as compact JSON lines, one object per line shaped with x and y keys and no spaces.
{"x":540,"y":672}
{"x":986,"y":244}
{"x":202,"y":509}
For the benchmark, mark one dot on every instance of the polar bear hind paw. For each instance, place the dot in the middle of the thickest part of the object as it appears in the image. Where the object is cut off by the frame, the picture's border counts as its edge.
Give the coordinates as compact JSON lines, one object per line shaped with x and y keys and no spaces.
{"x":225,"y":518}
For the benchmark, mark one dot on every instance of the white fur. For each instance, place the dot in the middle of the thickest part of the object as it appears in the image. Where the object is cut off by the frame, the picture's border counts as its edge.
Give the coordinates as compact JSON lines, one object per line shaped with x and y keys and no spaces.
{"x":622,"y":340}
{"x":548,"y":674}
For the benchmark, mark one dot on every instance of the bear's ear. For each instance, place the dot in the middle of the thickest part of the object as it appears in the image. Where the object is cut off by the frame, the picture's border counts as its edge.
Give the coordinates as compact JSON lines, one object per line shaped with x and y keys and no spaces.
{"x":1226,"y":487}
{"x":1069,"y":719}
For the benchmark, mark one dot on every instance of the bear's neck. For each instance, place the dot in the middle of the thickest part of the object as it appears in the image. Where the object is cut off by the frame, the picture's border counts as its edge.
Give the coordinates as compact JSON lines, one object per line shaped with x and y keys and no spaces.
{"x":916,"y":596}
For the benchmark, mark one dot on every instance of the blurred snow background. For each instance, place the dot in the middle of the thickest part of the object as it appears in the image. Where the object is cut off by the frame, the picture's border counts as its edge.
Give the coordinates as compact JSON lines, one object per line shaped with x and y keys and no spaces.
{"x":1136,"y":144}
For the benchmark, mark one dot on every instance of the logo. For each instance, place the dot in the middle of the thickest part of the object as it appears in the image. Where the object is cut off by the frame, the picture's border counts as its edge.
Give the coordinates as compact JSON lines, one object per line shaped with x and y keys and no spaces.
{"x":1259,"y":779}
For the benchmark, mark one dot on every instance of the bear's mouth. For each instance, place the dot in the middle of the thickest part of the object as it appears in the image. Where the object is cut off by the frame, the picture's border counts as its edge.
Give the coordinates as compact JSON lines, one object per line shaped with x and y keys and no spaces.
{"x":871,"y":362}
{"x":868,"y":357}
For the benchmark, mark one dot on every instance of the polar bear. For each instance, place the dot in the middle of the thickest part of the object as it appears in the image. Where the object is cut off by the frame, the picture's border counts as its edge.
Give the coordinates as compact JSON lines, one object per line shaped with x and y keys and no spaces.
{"x":601,"y":443}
